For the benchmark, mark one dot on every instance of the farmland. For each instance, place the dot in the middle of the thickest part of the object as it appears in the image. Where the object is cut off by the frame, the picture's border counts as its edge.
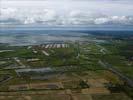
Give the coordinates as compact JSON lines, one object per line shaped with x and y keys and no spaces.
{"x":89,"y":68}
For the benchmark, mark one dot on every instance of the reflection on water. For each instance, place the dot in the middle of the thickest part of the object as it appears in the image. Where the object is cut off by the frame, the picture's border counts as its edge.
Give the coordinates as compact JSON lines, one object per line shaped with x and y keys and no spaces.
{"x":32,"y":37}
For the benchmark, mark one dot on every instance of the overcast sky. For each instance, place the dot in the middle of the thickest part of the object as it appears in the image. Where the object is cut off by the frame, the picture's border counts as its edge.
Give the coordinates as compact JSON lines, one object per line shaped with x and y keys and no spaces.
{"x":66,"y":12}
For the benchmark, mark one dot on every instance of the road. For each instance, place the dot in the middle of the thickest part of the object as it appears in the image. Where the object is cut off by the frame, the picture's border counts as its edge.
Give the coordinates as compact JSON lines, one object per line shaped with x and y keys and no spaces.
{"x":112,"y":69}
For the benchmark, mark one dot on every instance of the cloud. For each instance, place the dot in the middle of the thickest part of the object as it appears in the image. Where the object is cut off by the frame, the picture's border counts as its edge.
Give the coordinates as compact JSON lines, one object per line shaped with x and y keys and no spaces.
{"x":54,"y":17}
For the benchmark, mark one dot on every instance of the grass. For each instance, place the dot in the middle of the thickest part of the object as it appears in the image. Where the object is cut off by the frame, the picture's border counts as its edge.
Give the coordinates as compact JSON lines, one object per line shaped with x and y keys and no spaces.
{"x":86,"y":63}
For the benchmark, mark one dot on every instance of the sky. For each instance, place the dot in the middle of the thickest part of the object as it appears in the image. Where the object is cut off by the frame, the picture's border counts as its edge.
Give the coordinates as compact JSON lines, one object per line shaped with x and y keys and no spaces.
{"x":66,"y":12}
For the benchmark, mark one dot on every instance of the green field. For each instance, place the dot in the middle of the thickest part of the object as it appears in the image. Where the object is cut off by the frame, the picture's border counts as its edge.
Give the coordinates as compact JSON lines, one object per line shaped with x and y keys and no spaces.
{"x":73,"y":67}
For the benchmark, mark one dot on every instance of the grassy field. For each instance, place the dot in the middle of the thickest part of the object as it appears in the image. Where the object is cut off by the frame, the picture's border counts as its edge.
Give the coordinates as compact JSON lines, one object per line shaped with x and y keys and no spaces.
{"x":79,"y":62}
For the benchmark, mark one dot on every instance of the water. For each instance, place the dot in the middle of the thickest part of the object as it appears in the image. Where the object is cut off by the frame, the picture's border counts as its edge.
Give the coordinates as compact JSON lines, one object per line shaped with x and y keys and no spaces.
{"x":21,"y":36}
{"x":33,"y":37}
